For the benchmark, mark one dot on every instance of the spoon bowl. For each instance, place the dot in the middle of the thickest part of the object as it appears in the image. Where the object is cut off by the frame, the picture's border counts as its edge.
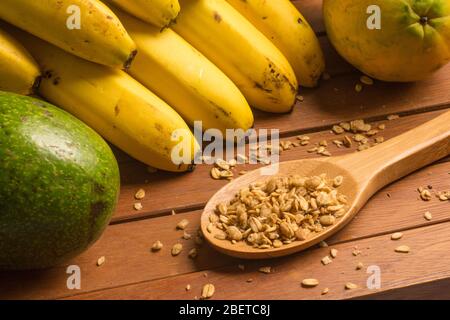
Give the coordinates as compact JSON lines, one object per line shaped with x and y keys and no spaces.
{"x":364,"y":174}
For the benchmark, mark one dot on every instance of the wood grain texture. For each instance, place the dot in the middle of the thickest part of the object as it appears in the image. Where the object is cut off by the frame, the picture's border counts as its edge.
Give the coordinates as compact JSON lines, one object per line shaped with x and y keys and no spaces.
{"x":397,"y":271}
{"x":166,"y":191}
{"x":126,"y":246}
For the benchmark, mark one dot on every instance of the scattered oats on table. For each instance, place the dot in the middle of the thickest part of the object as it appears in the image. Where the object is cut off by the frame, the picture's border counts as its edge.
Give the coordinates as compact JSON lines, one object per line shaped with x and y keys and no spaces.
{"x":428,"y":216}
{"x":334,"y":253}
{"x":310,"y":283}
{"x":326,"y":260}
{"x":350,"y":286}
{"x":176,"y":249}
{"x":193,"y":253}
{"x":396,"y":236}
{"x":359,"y":266}
{"x":158,"y":245}
{"x":182,"y":224}
{"x":323,"y":244}
{"x":402,"y":249}
{"x":187,"y":236}
{"x":425,"y":194}
{"x":279,"y":211}
{"x":366,"y":80}
{"x":101,"y":261}
{"x":443,"y":195}
{"x":338,"y":129}
{"x":208,"y":291}
{"x":347,"y":142}
{"x":393,"y":117}
{"x":265,"y":270}
{"x":138,"y":206}
{"x":379,"y":140}
{"x":358,"y":87}
{"x":345,"y":125}
{"x":140,"y":194}
{"x":325,"y":291}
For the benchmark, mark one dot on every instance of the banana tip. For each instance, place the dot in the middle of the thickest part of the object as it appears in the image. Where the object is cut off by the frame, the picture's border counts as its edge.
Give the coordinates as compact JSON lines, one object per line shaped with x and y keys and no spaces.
{"x":130,"y":60}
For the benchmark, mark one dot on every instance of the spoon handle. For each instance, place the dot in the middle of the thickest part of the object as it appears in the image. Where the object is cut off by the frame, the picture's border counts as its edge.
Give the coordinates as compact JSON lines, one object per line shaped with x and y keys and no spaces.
{"x":398,"y":157}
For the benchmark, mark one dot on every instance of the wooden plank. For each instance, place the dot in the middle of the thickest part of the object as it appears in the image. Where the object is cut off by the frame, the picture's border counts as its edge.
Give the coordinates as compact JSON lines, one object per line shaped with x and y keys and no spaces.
{"x":425,"y":263}
{"x":126,"y":246}
{"x":336,"y":100}
{"x":189,"y":191}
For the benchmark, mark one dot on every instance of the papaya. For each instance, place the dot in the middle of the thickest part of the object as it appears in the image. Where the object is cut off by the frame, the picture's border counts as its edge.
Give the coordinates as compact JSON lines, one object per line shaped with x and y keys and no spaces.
{"x":391,"y":40}
{"x":59,"y":184}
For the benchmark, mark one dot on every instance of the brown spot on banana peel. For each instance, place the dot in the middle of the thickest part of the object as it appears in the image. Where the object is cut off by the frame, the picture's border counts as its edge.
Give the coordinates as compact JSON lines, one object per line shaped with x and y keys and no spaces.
{"x":130,"y":60}
{"x":217,"y":17}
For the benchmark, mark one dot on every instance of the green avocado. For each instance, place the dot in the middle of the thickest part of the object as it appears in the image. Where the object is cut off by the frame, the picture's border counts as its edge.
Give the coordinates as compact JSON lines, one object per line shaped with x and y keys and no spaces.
{"x":59,"y":184}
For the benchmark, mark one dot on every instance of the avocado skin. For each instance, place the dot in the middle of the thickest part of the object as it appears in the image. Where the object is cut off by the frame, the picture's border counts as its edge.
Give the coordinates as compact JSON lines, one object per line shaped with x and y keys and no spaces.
{"x":59,"y":184}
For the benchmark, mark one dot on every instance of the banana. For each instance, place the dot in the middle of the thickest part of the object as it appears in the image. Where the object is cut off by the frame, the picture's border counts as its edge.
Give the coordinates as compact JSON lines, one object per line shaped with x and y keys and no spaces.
{"x":19,"y":72}
{"x":115,"y":105}
{"x":185,"y":79}
{"x":100,"y":38}
{"x":242,"y":52}
{"x":160,"y":13}
{"x":285,"y":26}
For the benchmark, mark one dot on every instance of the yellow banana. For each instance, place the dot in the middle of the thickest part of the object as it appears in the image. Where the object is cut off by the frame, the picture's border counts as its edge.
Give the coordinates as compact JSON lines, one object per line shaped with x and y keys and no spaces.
{"x":185,"y":79}
{"x":285,"y":26}
{"x":19,"y":72}
{"x":160,"y":13}
{"x":86,"y":28}
{"x":114,"y":104}
{"x":242,"y":52}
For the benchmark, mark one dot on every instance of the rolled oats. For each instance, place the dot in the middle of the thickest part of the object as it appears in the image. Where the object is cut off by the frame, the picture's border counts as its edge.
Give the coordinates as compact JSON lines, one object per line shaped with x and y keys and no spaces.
{"x":310,"y":283}
{"x":157,"y":246}
{"x":208,"y":291}
{"x":402,"y":249}
{"x":326,"y":260}
{"x":396,"y":236}
{"x":182,"y":224}
{"x":176,"y":249}
{"x":140,"y":194}
{"x":350,"y":286}
{"x":279,"y":211}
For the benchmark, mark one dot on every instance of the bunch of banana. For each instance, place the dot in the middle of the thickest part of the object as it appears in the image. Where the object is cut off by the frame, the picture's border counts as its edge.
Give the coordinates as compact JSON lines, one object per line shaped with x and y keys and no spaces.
{"x":185,"y":79}
{"x":19,"y":72}
{"x":86,"y":28}
{"x":241,"y":51}
{"x":114,"y":104}
{"x":284,"y":25}
{"x":160,"y":13}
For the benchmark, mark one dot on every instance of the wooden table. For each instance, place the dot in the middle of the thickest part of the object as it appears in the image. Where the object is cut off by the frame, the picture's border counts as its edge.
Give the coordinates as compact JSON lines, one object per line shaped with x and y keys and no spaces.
{"x":132,"y":271}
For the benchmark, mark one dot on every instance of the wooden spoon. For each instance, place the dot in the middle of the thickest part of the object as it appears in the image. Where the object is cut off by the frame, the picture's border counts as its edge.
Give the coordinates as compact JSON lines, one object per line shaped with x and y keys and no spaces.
{"x":364,"y":174}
